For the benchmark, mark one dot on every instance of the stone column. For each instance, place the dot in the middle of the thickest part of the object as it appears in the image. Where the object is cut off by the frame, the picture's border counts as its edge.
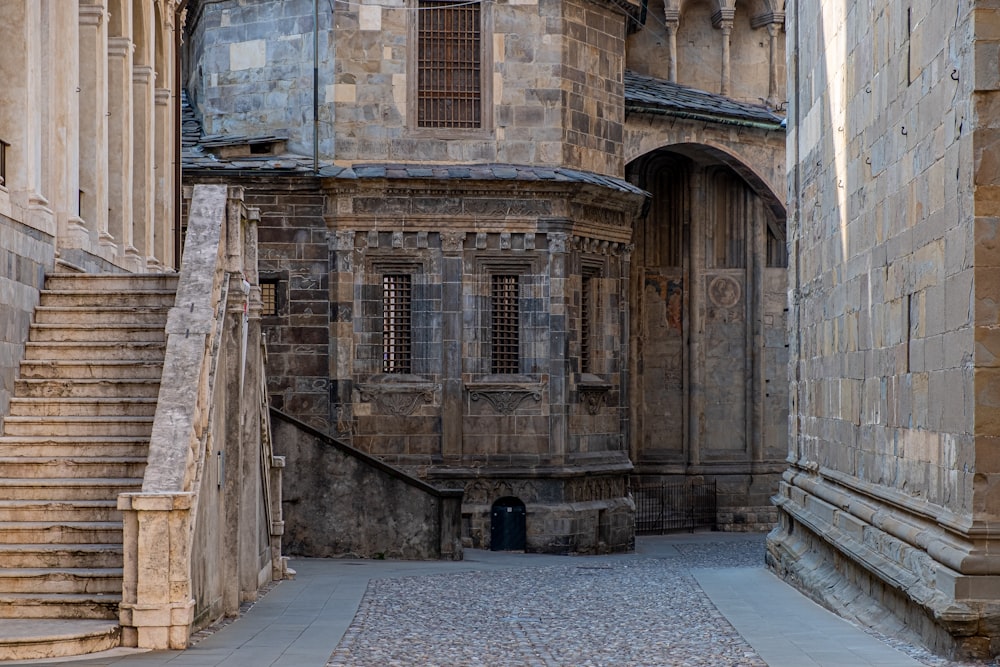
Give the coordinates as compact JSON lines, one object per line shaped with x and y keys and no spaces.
{"x":756,"y":261}
{"x":94,"y":120}
{"x":19,"y":73}
{"x":143,"y":134}
{"x":723,"y":20}
{"x":672,"y":23}
{"x":559,"y":296}
{"x":120,"y":143}
{"x":342,"y":330}
{"x":772,"y":77}
{"x":61,"y":118}
{"x":696,"y":320}
{"x":162,"y":242}
{"x":452,"y":264}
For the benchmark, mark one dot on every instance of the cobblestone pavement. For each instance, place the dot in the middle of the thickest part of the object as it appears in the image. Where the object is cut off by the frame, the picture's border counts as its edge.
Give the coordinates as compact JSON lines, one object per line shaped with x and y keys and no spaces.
{"x":613,"y":611}
{"x":621,"y":611}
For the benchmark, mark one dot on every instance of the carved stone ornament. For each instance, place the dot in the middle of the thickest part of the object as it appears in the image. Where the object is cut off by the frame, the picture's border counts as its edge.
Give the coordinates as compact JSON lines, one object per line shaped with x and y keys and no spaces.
{"x":452,"y":241}
{"x":505,"y":399}
{"x":724,"y":291}
{"x":593,"y":393}
{"x":398,"y":400}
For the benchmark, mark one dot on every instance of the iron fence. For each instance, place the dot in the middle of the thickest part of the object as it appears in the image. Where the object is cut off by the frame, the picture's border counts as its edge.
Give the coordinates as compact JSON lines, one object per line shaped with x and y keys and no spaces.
{"x":671,"y":506}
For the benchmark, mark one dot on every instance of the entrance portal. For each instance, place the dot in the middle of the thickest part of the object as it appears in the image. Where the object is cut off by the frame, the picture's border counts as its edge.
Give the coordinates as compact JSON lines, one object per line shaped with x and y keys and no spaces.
{"x":508,"y":525}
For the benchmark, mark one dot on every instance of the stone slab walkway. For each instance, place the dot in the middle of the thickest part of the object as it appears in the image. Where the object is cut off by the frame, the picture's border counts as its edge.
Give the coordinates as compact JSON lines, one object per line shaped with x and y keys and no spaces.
{"x":680,"y":600}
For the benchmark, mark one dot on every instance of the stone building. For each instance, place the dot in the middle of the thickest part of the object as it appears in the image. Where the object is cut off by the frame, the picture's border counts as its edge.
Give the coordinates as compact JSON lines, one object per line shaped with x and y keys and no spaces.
{"x":130,"y":391}
{"x":889,"y":507}
{"x":509,"y":249}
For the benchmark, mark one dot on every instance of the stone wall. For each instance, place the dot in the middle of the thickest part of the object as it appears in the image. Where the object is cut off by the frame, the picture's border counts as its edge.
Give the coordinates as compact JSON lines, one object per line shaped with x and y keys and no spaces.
{"x":894,"y":314}
{"x":26,"y":254}
{"x":341,"y":502}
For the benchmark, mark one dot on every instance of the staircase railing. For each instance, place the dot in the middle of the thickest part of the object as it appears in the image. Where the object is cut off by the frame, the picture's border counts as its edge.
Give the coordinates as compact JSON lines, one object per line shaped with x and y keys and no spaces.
{"x":191,"y":552}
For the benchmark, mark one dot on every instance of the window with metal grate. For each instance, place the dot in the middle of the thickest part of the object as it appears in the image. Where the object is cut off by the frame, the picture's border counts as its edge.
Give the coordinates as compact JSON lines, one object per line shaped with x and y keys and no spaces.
{"x":505,"y":324}
{"x":397,"y":338}
{"x":449,"y":64}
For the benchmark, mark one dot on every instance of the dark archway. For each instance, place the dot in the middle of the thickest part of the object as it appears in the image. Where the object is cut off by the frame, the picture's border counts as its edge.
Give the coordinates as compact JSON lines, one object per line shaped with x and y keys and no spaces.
{"x":508,"y":525}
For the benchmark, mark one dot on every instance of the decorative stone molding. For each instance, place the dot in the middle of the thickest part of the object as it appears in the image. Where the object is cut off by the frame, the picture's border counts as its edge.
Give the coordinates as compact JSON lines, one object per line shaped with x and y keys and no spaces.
{"x":558,"y":241}
{"x":505,"y":398}
{"x":593,"y":392}
{"x":452,"y":241}
{"x":399,"y":399}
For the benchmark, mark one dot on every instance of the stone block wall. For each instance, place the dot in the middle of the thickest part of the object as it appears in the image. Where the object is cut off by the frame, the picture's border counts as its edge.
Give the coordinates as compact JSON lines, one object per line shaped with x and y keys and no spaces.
{"x":894,"y":315}
{"x":552,"y":81}
{"x":340,"y":502}
{"x":26,"y":254}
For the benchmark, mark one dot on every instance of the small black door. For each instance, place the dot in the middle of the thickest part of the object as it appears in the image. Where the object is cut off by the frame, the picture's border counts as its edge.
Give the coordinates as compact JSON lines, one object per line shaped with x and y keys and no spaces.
{"x":508,"y":531}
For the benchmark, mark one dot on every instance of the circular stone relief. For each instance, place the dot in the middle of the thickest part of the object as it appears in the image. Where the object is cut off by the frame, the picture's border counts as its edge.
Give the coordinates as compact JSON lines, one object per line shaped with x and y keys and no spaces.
{"x":724,"y":291}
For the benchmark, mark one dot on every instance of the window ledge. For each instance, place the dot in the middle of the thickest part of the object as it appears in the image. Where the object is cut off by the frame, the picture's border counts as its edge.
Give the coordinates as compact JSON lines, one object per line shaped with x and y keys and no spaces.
{"x":506,"y":393}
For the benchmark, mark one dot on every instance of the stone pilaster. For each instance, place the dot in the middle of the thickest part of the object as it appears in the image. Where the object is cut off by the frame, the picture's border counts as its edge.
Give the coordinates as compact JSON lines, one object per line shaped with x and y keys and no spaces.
{"x":94,"y":121}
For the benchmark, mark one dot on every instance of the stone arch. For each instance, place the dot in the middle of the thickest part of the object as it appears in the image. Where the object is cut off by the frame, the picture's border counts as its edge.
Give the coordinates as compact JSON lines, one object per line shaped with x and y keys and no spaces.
{"x":707,"y":323}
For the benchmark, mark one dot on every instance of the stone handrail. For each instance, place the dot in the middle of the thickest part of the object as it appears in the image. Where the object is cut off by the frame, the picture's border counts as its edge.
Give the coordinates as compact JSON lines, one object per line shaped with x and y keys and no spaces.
{"x":200,"y":415}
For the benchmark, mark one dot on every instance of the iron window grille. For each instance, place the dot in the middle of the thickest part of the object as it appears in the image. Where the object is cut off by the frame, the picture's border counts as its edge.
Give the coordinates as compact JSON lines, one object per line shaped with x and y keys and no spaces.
{"x":268,"y":298}
{"x":3,"y":162}
{"x":449,"y":64}
{"x":505,"y":324}
{"x":397,"y":323}
{"x":587,"y":314}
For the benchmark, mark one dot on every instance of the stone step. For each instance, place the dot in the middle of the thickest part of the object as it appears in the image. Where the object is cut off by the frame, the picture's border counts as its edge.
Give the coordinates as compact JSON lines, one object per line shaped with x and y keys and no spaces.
{"x":67,"y":488}
{"x":82,"y":407}
{"x":61,"y":555}
{"x":60,"y":532}
{"x":69,"y":510}
{"x":133,"y":426}
{"x":108,"y":332}
{"x":69,"y":445}
{"x":100,"y":317}
{"x":118,"y":282}
{"x":112,"y":387}
{"x":59,"y":605}
{"x":91,"y":370}
{"x":99,"y":351}
{"x":129,"y":298}
{"x":26,"y":639}
{"x":60,"y":580}
{"x":67,"y":467}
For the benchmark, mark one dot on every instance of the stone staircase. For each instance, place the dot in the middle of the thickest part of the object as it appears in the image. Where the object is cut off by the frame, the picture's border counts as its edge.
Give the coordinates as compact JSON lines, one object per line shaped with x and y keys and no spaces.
{"x":76,"y":436}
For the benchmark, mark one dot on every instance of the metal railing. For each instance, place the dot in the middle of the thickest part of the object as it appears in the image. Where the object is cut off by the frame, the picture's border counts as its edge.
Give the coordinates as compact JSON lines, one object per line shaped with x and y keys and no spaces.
{"x":664,"y":507}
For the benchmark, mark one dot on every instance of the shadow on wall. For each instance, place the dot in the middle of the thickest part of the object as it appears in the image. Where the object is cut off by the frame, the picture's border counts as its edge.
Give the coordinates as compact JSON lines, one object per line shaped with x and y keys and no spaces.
{"x":341,"y":502}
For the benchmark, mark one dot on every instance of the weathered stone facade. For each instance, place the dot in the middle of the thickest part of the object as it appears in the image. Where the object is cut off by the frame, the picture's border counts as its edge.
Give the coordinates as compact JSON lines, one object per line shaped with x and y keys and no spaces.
{"x":891,"y":496}
{"x":534,"y":191}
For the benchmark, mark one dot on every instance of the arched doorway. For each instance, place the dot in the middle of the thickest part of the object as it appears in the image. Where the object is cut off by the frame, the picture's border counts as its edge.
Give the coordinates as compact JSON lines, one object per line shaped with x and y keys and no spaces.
{"x":508,"y":525}
{"x":708,"y":330}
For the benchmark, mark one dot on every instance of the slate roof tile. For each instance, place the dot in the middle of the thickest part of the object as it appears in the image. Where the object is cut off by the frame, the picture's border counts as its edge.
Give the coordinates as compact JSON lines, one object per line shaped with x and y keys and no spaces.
{"x":646,"y":92}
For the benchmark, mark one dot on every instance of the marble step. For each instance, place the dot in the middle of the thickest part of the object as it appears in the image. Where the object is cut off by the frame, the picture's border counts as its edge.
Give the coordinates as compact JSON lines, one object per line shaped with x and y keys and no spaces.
{"x":42,"y":333}
{"x":67,"y":467}
{"x":60,"y":605}
{"x":109,"y":387}
{"x":100,"y":316}
{"x":99,"y":351}
{"x":27,"y":639}
{"x":60,"y":580}
{"x":69,"y":510}
{"x":72,"y":445}
{"x":91,"y":370}
{"x":131,"y":426}
{"x":61,"y":555}
{"x":61,"y":532}
{"x":68,"y":488}
{"x":114,"y":282}
{"x":88,"y":298}
{"x":83,"y":407}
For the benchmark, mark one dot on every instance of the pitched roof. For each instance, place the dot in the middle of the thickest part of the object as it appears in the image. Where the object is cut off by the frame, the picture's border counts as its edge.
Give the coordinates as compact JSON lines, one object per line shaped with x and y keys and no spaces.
{"x":645,"y":94}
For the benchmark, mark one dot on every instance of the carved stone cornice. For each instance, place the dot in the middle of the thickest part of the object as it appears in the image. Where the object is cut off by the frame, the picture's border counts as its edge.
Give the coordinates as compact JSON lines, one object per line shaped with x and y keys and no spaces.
{"x":768,"y":19}
{"x":505,"y":398}
{"x":593,"y":392}
{"x":398,"y":399}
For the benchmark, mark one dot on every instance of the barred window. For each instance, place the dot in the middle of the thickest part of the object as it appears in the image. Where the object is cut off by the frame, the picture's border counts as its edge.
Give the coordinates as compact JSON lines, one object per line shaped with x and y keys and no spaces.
{"x":269,"y":298}
{"x":587,"y":314}
{"x":449,"y":64}
{"x":397,"y":340}
{"x":505,"y":324}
